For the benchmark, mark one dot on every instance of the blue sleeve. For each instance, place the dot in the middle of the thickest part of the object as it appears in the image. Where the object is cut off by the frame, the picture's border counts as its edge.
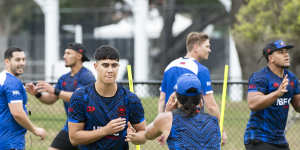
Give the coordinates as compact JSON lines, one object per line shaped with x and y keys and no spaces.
{"x":205,"y":80}
{"x":164,"y":82}
{"x":13,"y":91}
{"x":297,"y":90}
{"x":257,"y":84}
{"x":87,"y":78}
{"x":58,"y":85}
{"x":76,"y":111}
{"x":136,"y":113}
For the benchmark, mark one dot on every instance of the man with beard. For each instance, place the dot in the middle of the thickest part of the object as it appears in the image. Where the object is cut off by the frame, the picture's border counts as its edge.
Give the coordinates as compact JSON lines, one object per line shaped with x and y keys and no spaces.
{"x":270,"y":92}
{"x":13,"y":99}
{"x":79,"y":76}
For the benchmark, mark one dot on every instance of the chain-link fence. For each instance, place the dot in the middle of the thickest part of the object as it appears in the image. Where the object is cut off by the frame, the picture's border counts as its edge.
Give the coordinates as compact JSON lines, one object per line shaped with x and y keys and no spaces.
{"x":52,"y":117}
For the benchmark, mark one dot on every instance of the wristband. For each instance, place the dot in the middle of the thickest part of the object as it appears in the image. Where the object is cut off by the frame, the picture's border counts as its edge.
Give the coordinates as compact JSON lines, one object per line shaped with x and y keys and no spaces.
{"x":38,"y":95}
{"x":56,"y":91}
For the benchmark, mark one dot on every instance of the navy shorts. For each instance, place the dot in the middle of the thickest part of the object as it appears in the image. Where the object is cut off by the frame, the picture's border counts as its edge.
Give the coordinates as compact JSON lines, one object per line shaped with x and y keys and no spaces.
{"x":62,"y":141}
{"x":259,"y":145}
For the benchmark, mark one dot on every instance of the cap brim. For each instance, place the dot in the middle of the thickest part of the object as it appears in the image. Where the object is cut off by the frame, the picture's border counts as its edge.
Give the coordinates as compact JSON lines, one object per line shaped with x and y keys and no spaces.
{"x":284,"y":47}
{"x":287,"y":47}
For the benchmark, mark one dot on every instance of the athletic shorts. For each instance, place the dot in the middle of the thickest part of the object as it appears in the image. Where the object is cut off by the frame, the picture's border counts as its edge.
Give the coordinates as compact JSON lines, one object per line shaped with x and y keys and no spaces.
{"x":259,"y":145}
{"x":62,"y":141}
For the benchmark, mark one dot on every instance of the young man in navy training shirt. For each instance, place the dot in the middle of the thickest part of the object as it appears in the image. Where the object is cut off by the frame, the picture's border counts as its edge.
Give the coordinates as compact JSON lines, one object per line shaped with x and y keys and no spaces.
{"x":270,"y":92}
{"x":79,"y":76}
{"x":99,"y":113}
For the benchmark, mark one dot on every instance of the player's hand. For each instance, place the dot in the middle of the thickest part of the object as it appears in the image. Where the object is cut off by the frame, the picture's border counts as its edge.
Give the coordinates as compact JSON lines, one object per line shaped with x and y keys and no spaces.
{"x":43,"y":86}
{"x":131,"y":136}
{"x":115,"y":126}
{"x":172,"y":102}
{"x":40,"y":132}
{"x":135,"y":137}
{"x":224,"y":138}
{"x":162,"y":139}
{"x":31,"y":88}
{"x":130,"y":129}
{"x":283,"y":86}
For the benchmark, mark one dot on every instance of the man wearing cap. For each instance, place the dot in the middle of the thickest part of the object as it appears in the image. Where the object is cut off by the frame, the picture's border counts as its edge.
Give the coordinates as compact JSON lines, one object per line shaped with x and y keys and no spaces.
{"x":79,"y":76}
{"x":183,"y":127}
{"x":270,"y":92}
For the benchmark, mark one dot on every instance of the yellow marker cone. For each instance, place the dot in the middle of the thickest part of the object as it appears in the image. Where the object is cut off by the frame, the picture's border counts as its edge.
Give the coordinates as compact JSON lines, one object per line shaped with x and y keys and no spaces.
{"x":130,"y":82}
{"x":223,"y":100}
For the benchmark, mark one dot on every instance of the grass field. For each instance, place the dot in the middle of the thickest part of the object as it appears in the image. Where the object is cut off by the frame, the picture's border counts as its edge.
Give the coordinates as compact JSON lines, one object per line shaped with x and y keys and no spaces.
{"x":52,"y":118}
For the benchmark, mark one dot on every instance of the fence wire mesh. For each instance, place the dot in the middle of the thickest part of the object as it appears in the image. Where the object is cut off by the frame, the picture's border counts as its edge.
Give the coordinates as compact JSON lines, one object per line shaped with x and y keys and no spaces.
{"x":52,"y":117}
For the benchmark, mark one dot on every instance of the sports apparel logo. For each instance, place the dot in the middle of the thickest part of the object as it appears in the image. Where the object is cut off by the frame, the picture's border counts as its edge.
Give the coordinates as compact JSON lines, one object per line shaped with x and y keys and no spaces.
{"x":122,"y":111}
{"x":208,"y":83}
{"x":15,"y":92}
{"x":283,"y":101}
{"x":90,"y":109}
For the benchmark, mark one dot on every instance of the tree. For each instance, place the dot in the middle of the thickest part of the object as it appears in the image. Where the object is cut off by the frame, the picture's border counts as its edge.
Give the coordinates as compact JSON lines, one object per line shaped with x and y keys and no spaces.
{"x":202,"y":14}
{"x":261,"y":21}
{"x":12,"y":15}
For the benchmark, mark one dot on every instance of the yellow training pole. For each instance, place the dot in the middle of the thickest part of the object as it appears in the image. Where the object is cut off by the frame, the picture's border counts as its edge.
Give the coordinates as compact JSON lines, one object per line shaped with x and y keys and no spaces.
{"x":138,"y":147}
{"x":223,"y":99}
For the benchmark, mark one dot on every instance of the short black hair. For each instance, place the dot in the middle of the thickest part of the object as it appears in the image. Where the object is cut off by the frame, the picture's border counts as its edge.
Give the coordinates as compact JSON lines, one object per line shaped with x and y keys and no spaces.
{"x":106,"y":52}
{"x":8,"y":54}
{"x":189,"y":103}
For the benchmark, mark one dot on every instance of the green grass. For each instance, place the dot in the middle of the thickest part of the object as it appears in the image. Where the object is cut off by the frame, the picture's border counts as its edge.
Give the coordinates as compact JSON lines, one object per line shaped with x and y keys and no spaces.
{"x":52,"y":118}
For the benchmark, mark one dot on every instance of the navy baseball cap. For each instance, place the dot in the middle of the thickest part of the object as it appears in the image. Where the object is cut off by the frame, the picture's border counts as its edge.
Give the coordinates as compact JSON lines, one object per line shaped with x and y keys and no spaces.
{"x":186,"y":82}
{"x":80,"y":48}
{"x":274,"y":46}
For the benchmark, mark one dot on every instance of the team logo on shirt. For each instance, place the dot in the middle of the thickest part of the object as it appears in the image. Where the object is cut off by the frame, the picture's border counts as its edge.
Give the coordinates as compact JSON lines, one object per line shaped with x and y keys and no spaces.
{"x":64,"y":83}
{"x":90,"y":109}
{"x":292,"y":84}
{"x":75,"y":83}
{"x":252,"y":86}
{"x":70,"y":109}
{"x":15,"y":92}
{"x":122,"y":111}
{"x":275,"y":85}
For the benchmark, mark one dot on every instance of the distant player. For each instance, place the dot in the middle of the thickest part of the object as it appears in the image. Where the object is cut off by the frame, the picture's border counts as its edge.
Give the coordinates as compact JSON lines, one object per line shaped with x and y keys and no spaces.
{"x":79,"y":76}
{"x":184,"y":128}
{"x":270,"y":92}
{"x":99,"y":113}
{"x":13,"y":99}
{"x":198,"y":48}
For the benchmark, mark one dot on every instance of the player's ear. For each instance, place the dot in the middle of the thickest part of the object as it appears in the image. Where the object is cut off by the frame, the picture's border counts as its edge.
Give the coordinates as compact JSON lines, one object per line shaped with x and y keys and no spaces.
{"x":80,"y":56}
{"x":7,"y":61}
{"x":95,"y":65}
